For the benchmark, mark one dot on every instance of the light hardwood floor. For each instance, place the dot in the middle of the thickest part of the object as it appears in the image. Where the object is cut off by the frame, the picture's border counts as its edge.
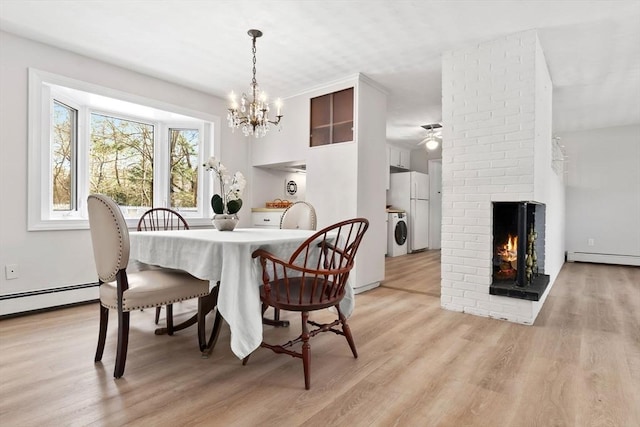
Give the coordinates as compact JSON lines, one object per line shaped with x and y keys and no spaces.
{"x":419,"y":272}
{"x":419,"y":365}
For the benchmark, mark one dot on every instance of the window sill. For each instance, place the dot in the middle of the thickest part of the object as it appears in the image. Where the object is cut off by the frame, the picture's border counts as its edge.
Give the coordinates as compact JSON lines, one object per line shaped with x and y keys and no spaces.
{"x":83,"y":224}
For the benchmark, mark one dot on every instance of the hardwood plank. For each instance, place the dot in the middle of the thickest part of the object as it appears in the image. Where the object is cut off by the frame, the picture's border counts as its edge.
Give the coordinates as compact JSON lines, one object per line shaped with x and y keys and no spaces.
{"x":419,"y":365}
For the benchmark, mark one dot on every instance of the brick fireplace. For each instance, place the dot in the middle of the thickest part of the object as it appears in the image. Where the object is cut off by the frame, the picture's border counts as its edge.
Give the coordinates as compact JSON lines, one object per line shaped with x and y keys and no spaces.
{"x":496,"y":151}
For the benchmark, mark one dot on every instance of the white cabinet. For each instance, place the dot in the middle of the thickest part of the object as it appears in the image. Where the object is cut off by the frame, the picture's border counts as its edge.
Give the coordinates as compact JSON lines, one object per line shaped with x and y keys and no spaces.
{"x":266,"y":219}
{"x":399,"y":158}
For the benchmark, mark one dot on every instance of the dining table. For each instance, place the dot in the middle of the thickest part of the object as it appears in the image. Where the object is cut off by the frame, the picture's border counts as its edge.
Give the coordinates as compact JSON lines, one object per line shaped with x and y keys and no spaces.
{"x":224,"y":258}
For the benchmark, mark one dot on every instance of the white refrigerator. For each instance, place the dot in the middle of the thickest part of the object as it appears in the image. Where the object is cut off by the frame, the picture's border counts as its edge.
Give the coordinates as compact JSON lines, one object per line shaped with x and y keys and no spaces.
{"x":410,"y":191}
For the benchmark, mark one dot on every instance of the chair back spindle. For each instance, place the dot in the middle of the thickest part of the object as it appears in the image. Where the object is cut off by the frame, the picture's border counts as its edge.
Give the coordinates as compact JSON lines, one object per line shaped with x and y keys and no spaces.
{"x":317,"y":272}
{"x":156,"y":219}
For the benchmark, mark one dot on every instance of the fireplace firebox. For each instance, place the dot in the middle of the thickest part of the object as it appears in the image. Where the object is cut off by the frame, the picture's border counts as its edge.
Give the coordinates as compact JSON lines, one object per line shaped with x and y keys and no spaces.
{"x":518,"y":250}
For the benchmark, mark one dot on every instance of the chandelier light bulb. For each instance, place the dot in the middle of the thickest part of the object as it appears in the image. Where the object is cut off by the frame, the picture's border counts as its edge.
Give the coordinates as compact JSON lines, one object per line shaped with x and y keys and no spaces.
{"x":431,"y":144}
{"x":278,"y":106}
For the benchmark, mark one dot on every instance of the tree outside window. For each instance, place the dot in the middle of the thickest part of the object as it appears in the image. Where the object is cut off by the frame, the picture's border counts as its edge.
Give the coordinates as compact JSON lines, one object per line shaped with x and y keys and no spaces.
{"x":184,"y":144}
{"x":121,"y":160}
{"x":63,"y":137}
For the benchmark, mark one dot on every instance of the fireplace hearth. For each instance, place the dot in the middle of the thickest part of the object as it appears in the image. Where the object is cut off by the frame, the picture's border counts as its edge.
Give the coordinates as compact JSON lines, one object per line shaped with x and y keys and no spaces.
{"x":518,"y":250}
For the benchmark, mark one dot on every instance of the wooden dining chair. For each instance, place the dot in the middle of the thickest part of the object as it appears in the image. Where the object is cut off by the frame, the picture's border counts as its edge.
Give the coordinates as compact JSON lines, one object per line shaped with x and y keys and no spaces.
{"x":313,"y":278}
{"x":156,"y":219}
{"x":128,"y":292}
{"x":301,"y":216}
{"x":162,"y":219}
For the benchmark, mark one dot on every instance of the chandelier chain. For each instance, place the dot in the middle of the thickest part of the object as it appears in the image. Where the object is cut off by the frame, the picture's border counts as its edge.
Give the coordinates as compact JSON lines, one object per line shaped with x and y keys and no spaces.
{"x":253,"y":50}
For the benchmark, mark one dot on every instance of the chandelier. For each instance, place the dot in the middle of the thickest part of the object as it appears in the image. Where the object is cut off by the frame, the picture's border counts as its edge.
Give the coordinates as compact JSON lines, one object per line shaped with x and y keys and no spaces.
{"x":252,"y":115}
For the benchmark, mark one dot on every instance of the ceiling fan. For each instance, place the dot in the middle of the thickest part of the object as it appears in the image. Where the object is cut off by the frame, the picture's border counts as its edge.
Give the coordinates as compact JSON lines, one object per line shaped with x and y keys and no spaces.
{"x":434,"y":136}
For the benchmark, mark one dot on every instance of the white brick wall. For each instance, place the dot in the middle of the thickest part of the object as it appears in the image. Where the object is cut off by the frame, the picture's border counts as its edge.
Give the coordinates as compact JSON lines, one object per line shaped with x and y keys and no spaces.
{"x":490,"y":92}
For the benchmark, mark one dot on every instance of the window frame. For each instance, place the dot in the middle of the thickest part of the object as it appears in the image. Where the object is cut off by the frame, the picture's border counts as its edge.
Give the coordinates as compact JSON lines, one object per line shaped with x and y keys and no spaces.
{"x":40,"y":213}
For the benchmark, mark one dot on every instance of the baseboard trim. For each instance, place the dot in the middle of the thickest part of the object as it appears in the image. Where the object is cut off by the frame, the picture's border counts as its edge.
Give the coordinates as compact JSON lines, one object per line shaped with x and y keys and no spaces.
{"x":603,"y":258}
{"x":43,"y":299}
{"x":366,"y":287}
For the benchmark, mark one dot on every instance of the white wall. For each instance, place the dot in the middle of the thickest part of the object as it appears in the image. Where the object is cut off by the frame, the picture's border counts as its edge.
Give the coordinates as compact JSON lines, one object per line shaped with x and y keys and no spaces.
{"x":548,"y":185}
{"x":50,"y":259}
{"x":603,"y":194}
{"x":420,"y":160}
{"x":269,"y":184}
{"x":291,"y":141}
{"x":372,"y":181}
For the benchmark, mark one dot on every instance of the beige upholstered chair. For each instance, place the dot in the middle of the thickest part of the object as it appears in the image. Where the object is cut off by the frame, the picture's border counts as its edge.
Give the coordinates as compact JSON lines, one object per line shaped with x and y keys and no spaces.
{"x":300,"y":215}
{"x":157,"y":219}
{"x":125,"y":293}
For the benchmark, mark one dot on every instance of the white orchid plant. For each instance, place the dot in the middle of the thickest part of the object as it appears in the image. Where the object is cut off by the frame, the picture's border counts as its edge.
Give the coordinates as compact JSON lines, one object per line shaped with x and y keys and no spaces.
{"x":231,"y":188}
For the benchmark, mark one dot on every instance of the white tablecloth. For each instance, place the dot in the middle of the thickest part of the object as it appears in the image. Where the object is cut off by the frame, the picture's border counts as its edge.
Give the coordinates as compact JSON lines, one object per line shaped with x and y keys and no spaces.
{"x":226,"y":256}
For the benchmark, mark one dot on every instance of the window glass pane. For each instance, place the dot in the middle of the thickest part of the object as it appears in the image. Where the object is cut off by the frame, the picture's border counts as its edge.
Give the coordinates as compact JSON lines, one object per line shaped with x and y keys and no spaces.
{"x":121,"y":161}
{"x":62,"y":147}
{"x":184,"y":145}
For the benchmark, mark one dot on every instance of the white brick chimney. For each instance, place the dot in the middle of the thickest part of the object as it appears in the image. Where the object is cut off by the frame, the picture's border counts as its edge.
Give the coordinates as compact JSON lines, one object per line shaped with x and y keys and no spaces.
{"x":496,"y":107}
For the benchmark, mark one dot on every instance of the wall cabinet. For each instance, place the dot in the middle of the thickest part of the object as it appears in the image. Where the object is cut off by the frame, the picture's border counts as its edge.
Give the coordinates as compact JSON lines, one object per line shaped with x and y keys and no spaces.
{"x":266,"y":219}
{"x":331,"y":118}
{"x":399,"y":158}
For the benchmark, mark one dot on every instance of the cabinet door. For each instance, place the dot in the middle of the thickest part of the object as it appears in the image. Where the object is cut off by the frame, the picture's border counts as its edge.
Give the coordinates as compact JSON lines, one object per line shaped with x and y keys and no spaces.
{"x":394,"y":157}
{"x":320,"y":120}
{"x":331,"y":118}
{"x":342,"y":116}
{"x":266,"y":219}
{"x":405,"y":159}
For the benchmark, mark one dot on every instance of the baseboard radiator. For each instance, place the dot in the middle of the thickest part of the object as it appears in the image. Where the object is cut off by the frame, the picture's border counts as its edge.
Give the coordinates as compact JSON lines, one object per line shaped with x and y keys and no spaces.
{"x":44,"y":299}
{"x":603,"y":258}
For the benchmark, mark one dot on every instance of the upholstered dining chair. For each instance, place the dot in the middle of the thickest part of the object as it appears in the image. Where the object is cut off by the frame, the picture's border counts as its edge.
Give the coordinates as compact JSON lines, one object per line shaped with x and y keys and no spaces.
{"x":299,"y":215}
{"x":156,"y":219}
{"x":128,"y":292}
{"x":313,"y":278}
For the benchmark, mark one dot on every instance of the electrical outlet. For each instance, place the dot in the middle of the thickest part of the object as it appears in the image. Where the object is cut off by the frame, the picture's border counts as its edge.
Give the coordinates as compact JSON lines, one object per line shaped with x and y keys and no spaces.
{"x":591,"y":242}
{"x":11,"y":271}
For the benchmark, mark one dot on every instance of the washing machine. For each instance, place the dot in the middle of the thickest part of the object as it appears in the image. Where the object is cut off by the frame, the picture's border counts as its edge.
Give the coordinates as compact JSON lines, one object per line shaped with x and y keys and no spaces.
{"x":397,"y":238}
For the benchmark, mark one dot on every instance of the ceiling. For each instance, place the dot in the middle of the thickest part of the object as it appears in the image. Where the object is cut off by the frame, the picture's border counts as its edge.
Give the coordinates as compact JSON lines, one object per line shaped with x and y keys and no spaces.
{"x":592,"y":48}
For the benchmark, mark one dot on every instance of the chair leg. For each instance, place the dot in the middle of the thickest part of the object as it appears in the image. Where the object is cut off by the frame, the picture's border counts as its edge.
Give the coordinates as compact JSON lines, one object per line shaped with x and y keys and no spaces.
{"x":276,"y":319}
{"x":158,"y":310}
{"x":123,"y":342}
{"x":306,"y":351}
{"x":215,"y":332}
{"x":169,"y":319}
{"x":202,"y":338}
{"x":102,"y":334}
{"x":206,"y":305}
{"x":347,"y":332}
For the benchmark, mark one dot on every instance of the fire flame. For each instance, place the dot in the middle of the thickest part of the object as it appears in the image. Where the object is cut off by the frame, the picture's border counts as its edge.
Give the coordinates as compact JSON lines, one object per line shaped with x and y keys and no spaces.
{"x":509,"y":251}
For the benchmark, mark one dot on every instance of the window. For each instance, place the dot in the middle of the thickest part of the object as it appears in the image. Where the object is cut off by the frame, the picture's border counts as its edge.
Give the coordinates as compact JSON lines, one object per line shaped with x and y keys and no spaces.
{"x":63,"y":142}
{"x":85,"y":139}
{"x":184,"y":168}
{"x":121,"y":160}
